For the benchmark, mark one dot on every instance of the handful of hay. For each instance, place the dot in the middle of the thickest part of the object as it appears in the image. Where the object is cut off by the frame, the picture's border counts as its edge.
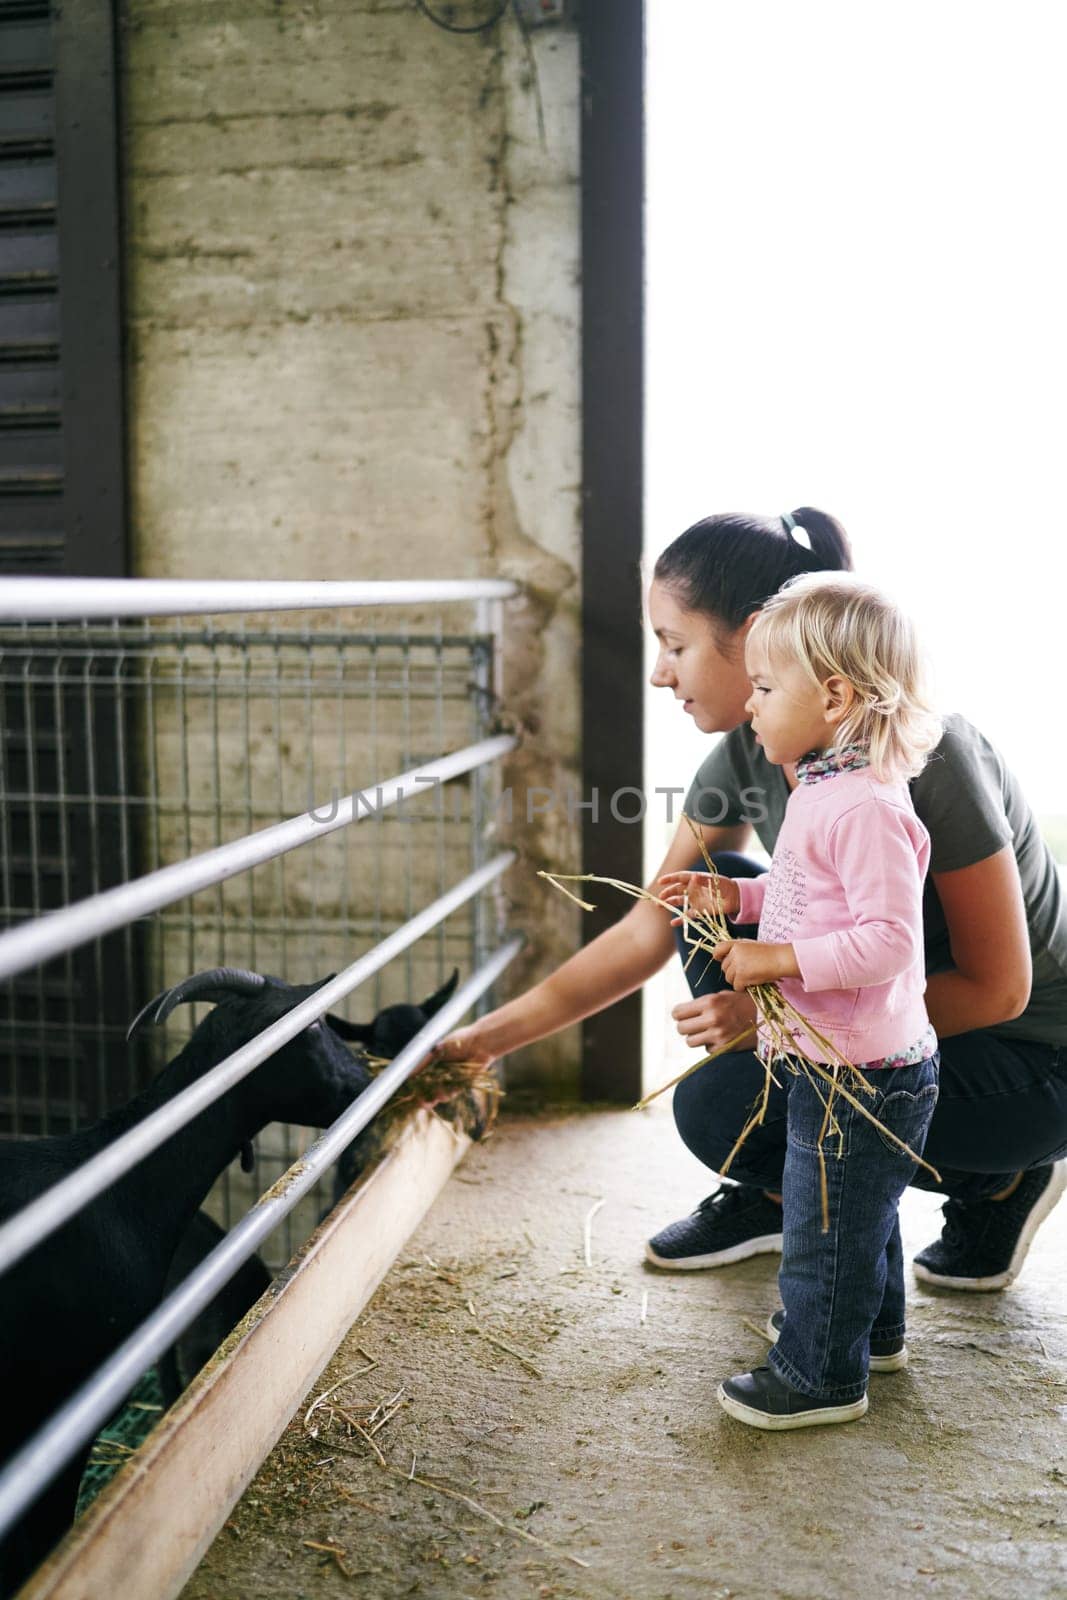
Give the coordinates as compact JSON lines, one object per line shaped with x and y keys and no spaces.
{"x":465,"y":1093}
{"x":833,"y":1079}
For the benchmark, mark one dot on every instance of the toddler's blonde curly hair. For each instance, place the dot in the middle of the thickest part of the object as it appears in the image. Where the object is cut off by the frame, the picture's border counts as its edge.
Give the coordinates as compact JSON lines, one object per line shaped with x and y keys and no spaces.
{"x":833,"y":624}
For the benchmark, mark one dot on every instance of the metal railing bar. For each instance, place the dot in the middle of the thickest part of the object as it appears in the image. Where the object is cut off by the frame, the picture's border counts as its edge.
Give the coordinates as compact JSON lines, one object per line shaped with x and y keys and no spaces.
{"x":93,"y":853}
{"x":184,"y":790}
{"x":23,"y":638}
{"x":249,"y":818}
{"x":166,"y":808}
{"x":101,"y":913}
{"x":279,"y":801}
{"x":80,"y":599}
{"x":215,"y":769}
{"x":58,"y":1204}
{"x":66,"y":868}
{"x":312,"y":788}
{"x":440,"y":740}
{"x":342,"y":766}
{"x":37,"y":1463}
{"x":292,"y":683}
{"x":35,"y":852}
{"x":406,"y":746}
{"x":124,"y":777}
{"x":376,"y":854}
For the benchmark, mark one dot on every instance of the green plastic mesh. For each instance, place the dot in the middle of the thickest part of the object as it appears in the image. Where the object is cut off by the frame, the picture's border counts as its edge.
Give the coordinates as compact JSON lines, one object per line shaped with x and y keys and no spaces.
{"x":115,"y":1443}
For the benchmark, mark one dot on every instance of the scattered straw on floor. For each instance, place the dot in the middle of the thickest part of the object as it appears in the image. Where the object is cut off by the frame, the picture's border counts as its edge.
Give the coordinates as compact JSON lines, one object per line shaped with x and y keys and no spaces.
{"x":330,"y":1410}
{"x":587,"y":1232}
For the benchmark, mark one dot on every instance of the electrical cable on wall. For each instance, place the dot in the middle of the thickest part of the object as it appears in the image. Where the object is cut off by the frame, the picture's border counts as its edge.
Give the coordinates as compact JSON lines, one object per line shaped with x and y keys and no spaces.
{"x":456,"y":27}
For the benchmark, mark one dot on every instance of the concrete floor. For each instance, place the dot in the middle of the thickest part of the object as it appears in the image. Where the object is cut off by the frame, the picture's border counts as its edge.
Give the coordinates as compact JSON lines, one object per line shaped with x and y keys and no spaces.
{"x":613,"y":1451}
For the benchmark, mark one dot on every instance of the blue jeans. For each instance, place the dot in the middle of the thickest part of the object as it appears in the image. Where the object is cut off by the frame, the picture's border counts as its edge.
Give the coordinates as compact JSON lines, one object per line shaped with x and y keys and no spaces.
{"x":840,"y":1287}
{"x":1002,"y":1105}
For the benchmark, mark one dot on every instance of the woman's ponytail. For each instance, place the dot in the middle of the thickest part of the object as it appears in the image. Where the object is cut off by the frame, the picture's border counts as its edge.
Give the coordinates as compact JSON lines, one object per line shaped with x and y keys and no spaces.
{"x":827,"y":539}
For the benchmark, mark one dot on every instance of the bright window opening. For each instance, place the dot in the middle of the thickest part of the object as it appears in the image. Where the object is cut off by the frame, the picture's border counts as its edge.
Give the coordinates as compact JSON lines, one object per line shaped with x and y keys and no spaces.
{"x":855,"y":301}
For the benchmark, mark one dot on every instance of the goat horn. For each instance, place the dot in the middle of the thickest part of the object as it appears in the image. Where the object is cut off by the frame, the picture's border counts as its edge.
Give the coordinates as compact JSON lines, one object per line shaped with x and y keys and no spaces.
{"x":216,"y":981}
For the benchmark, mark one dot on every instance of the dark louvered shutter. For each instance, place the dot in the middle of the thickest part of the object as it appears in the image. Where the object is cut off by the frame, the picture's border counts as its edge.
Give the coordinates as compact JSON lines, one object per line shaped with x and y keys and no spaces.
{"x":31,"y":442}
{"x":62,"y":489}
{"x":62,"y":510}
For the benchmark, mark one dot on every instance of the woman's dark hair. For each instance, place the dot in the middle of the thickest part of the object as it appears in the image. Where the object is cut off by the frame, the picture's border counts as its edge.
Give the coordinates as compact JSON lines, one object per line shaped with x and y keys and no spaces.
{"x":727,"y":566}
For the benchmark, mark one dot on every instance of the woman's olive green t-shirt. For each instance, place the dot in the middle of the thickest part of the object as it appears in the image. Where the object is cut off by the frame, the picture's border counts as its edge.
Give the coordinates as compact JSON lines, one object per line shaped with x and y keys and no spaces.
{"x":972,"y":806}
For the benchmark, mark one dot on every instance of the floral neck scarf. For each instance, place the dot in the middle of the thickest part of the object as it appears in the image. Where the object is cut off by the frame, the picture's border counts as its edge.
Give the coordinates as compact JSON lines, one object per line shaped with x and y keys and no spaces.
{"x":817,"y":765}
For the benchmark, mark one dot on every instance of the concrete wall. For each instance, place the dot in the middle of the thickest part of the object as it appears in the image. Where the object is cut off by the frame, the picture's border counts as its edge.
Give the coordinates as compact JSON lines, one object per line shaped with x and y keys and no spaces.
{"x":354,"y":347}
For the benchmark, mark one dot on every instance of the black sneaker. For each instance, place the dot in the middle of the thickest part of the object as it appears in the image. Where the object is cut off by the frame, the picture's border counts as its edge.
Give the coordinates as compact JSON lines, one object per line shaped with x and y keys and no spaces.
{"x":735,"y":1222}
{"x":887,"y":1355}
{"x":763,"y":1400}
{"x":983,"y":1245}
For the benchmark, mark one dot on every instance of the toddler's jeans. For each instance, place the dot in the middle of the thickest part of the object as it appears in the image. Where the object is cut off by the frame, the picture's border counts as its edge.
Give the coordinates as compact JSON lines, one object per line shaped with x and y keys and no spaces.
{"x":840,"y":1287}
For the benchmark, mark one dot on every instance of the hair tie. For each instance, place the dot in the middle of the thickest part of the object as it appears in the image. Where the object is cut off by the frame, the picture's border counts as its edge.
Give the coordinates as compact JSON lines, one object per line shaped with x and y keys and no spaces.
{"x":793,"y":528}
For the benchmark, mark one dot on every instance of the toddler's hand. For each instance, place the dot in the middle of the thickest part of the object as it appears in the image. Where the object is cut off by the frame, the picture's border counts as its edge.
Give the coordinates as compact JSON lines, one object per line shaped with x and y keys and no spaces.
{"x":748,"y":962}
{"x":706,"y":893}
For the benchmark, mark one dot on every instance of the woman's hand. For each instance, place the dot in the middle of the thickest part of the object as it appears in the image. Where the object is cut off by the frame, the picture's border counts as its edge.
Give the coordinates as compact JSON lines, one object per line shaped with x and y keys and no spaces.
{"x":463,"y":1045}
{"x":712,"y":1020}
{"x":706,"y":893}
{"x":747,"y":962}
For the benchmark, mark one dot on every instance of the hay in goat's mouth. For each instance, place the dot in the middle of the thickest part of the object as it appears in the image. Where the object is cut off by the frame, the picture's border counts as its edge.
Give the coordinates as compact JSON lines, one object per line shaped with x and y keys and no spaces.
{"x":465,"y":1086}
{"x":836,"y":1077}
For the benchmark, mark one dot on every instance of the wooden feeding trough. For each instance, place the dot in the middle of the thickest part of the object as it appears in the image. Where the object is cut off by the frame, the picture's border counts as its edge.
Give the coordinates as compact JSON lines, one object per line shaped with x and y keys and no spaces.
{"x":145,"y":1533}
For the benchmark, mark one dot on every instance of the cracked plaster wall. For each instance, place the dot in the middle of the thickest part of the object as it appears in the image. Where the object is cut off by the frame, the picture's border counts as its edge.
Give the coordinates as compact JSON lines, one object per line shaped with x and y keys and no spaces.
{"x":353,"y":298}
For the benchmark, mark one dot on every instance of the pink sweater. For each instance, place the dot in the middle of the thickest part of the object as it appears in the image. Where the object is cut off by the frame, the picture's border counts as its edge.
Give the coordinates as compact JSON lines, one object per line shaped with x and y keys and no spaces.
{"x":845,"y":890}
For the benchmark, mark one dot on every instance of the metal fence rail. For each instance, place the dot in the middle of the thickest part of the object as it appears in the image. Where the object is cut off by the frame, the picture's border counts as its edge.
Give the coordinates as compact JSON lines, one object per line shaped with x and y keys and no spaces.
{"x":43,"y":1216}
{"x":60,"y":931}
{"x":51,"y":599}
{"x":143,"y":773}
{"x":125,"y":747}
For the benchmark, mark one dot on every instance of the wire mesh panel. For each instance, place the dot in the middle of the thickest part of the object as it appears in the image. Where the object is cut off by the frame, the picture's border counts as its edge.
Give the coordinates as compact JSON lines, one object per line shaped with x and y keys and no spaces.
{"x":65,"y":833}
{"x":125,"y":748}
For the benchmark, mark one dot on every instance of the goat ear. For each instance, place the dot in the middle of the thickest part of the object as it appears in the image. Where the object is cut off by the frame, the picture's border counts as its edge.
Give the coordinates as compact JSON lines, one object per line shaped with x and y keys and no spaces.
{"x":359,"y":1032}
{"x":248,"y":1156}
{"x":445,"y":992}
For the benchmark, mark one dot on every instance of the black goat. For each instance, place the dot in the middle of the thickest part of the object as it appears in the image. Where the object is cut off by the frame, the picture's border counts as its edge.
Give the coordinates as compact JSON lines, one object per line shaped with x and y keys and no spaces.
{"x":384,"y":1038}
{"x":65,"y":1307}
{"x":179,"y":1365}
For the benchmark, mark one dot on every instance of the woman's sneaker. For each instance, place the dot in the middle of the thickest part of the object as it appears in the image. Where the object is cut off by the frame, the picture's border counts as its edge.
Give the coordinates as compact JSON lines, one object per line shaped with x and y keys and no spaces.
{"x":762,"y":1400}
{"x":984,"y":1244}
{"x":735,"y":1222}
{"x":887,"y":1355}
